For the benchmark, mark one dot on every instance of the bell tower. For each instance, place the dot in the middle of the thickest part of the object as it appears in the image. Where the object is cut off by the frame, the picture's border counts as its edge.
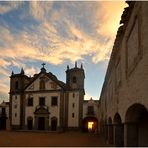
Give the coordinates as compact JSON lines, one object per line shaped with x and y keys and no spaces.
{"x":75,"y":77}
{"x":75,"y":84}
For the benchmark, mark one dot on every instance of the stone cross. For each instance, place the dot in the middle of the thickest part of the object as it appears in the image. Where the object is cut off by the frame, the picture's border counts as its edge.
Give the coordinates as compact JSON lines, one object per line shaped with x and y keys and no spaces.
{"x":43,"y":64}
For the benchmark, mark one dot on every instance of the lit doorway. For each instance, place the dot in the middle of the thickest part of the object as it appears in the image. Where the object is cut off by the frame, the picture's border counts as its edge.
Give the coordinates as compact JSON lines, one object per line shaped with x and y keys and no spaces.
{"x":90,"y":124}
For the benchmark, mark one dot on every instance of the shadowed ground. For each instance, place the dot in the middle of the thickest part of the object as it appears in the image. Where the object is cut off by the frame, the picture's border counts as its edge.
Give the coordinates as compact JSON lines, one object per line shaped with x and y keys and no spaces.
{"x":11,"y":138}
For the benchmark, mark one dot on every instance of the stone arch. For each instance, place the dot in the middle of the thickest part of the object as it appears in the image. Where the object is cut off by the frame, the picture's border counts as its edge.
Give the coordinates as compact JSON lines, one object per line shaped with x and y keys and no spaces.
{"x":29,"y":123}
{"x":110,"y":130}
{"x":136,"y":125}
{"x":117,"y":118}
{"x":3,"y":119}
{"x":54,"y":122}
{"x":118,"y":131}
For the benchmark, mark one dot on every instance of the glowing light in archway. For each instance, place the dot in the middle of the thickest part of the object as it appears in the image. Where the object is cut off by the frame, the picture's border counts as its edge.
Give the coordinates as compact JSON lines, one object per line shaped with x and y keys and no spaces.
{"x":90,"y":125}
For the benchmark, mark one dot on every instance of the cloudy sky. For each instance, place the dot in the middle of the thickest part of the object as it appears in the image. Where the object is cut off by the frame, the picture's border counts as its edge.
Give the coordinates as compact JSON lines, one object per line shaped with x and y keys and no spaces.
{"x":57,"y":33}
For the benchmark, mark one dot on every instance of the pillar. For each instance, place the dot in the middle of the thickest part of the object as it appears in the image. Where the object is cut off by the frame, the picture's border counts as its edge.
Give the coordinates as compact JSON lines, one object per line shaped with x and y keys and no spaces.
{"x":110,"y":133}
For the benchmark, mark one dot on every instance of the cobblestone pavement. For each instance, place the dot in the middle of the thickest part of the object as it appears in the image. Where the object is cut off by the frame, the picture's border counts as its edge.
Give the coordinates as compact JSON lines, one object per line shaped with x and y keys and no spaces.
{"x":14,"y":138}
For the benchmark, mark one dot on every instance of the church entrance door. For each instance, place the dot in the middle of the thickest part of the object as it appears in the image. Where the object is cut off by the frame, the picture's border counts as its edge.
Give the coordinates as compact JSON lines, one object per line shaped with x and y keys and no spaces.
{"x":41,"y":123}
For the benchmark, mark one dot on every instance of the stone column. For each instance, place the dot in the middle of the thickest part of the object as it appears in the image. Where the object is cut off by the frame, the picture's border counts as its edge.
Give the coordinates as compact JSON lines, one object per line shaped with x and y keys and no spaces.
{"x":130,"y":134}
{"x":110,"y":133}
{"x":106,"y":132}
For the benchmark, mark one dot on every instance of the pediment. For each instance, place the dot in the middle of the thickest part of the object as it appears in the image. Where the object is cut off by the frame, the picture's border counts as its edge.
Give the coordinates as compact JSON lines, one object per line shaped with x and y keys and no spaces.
{"x":51,"y":83}
{"x":41,"y":110}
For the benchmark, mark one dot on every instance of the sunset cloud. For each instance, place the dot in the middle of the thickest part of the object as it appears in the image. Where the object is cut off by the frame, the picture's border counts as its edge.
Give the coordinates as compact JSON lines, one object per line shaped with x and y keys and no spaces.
{"x":55,"y":32}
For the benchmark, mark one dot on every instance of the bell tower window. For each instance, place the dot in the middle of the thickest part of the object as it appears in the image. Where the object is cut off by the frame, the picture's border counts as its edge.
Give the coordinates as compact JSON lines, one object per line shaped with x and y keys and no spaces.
{"x":16,"y":84}
{"x":74,"y":79}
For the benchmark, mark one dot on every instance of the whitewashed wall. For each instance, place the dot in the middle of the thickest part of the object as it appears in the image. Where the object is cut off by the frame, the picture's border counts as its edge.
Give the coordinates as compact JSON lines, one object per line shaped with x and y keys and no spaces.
{"x":54,"y":110}
{"x":16,"y":101}
{"x":73,"y":122}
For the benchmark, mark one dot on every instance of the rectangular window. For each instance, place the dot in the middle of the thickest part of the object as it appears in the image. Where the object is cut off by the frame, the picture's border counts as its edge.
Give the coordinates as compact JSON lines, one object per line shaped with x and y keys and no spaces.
{"x":3,"y":111}
{"x":42,"y":101}
{"x":90,"y":110}
{"x":74,"y":79}
{"x":73,"y":95}
{"x":54,"y":101}
{"x":53,"y":85}
{"x":30,"y":101}
{"x":73,"y":105}
{"x":73,"y":115}
{"x":16,"y":85}
{"x":15,"y":106}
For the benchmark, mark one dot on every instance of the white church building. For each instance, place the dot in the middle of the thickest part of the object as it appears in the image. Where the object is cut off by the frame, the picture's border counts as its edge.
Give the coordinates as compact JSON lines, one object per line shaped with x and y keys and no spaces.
{"x":43,"y":102}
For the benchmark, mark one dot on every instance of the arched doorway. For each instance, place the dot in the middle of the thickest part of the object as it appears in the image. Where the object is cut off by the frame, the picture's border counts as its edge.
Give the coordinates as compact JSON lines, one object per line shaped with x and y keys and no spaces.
{"x":53,"y":123}
{"x":29,"y":123}
{"x":110,"y":130}
{"x":118,"y":131}
{"x":41,"y":123}
{"x":136,"y":126}
{"x":3,"y":119}
{"x":41,"y":118}
{"x":90,"y":124}
{"x":3,"y":122}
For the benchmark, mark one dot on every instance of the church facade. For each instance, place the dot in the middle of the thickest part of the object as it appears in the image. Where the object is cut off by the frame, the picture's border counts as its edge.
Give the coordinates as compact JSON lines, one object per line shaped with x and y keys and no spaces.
{"x":43,"y":102}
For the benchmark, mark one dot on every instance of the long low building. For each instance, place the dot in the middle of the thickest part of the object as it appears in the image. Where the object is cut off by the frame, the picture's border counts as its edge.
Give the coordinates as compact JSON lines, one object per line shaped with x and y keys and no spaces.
{"x":124,"y":98}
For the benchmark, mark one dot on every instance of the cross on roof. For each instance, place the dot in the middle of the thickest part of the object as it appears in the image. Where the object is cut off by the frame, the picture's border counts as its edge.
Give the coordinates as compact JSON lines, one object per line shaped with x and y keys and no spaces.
{"x":43,"y":64}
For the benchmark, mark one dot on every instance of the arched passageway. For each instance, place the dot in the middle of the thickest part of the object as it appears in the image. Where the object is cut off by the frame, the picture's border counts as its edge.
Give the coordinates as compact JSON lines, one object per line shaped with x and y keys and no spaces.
{"x":136,"y":126}
{"x":30,"y":123}
{"x":3,"y":120}
{"x":110,"y":131}
{"x":118,"y":131}
{"x":90,"y":124}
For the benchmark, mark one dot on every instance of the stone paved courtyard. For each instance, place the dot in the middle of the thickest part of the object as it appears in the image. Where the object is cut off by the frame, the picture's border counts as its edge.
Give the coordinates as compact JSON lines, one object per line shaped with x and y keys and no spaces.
{"x":11,"y":138}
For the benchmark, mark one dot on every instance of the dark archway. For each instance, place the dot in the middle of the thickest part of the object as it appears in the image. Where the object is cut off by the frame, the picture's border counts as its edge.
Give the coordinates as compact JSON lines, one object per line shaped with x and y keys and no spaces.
{"x":41,"y":123}
{"x":118,"y":131}
{"x":53,"y":123}
{"x":3,"y":120}
{"x":136,"y":126}
{"x":110,"y":130}
{"x":90,"y":124}
{"x":29,"y":123}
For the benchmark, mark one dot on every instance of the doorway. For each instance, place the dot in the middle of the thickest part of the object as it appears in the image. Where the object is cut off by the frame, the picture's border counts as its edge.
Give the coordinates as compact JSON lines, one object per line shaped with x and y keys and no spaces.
{"x":41,"y":123}
{"x":89,"y":124}
{"x":29,"y":123}
{"x":3,"y":123}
